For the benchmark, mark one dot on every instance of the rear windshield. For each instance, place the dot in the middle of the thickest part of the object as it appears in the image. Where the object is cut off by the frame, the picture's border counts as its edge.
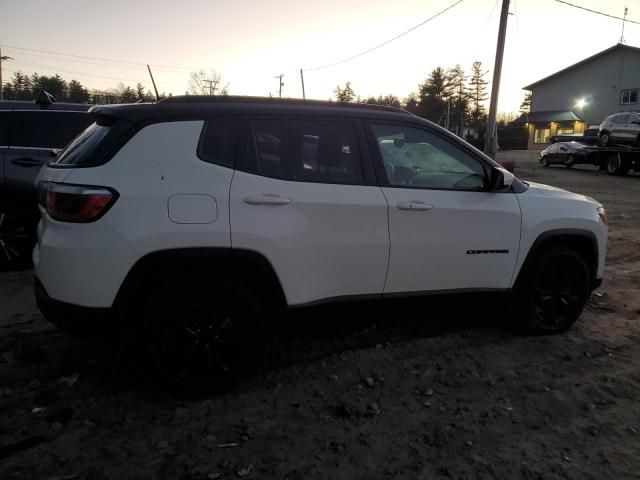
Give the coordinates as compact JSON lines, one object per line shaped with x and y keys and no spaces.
{"x":93,"y":145}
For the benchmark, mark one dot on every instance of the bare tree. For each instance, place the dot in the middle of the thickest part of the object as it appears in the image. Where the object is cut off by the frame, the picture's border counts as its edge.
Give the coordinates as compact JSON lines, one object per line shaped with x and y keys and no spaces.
{"x":205,"y":82}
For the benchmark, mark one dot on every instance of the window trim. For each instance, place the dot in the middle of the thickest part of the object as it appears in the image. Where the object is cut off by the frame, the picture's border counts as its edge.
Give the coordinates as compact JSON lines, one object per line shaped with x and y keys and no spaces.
{"x":629,"y":91}
{"x":534,"y":135}
{"x":245,"y":132}
{"x":381,"y":173}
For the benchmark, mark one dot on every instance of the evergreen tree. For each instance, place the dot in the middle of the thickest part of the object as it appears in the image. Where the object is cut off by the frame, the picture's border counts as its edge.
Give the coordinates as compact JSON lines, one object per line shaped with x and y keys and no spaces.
{"x":431,"y":96}
{"x":345,"y":94}
{"x":525,"y":106}
{"x":457,"y":94}
{"x":478,"y":92}
{"x":77,"y":93}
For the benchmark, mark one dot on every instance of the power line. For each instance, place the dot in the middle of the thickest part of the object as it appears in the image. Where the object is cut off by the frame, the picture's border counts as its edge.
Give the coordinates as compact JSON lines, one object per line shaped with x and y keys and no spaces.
{"x":599,"y":13}
{"x":386,"y":42}
{"x":51,"y":57}
{"x":97,"y":58}
{"x":57,"y":69}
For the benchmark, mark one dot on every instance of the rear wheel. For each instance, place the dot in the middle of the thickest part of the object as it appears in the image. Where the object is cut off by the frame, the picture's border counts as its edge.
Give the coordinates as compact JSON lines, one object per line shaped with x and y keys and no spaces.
{"x":616,"y":165}
{"x":554,"y":293}
{"x":201,"y":334}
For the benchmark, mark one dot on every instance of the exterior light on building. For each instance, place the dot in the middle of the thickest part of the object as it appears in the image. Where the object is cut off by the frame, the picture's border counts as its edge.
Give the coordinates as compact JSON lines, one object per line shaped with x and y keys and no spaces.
{"x":581,"y":103}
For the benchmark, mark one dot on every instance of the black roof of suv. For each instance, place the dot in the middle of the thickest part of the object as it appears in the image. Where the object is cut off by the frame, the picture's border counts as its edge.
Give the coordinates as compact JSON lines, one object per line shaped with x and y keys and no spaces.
{"x":187,"y":105}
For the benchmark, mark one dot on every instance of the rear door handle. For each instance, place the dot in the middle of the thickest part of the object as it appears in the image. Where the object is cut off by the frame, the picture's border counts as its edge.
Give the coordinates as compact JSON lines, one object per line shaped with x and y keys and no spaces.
{"x":266,"y":199}
{"x":26,"y":162}
{"x":414,"y":205}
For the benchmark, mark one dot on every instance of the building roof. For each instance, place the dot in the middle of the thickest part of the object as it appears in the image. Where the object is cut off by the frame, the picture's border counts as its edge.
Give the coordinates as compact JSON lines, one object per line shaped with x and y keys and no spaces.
{"x":547,"y":116}
{"x":582,"y":62}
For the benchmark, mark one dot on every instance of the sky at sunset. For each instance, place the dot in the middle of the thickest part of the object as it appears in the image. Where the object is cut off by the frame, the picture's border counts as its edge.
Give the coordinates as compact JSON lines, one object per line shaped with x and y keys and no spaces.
{"x":250,"y":41}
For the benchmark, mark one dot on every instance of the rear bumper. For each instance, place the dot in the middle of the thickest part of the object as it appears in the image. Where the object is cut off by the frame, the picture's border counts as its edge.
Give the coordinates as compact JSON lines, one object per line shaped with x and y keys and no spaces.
{"x":85,"y":321}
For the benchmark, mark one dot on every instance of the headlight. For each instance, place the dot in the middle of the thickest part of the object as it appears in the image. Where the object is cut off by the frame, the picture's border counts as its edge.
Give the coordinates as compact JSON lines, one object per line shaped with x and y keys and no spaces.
{"x":602,"y":213}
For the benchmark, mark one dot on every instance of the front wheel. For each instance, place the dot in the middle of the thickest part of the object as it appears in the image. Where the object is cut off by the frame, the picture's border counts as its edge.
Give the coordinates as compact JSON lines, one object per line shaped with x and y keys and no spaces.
{"x":544,"y":161}
{"x":554,"y":293}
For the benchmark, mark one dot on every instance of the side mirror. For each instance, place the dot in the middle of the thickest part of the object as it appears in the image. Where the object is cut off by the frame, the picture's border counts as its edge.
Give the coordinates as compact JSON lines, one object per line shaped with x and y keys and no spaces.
{"x":501,"y":179}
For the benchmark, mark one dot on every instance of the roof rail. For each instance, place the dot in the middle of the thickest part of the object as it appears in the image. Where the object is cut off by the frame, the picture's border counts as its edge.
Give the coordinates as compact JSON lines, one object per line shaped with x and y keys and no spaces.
{"x":278,"y":101}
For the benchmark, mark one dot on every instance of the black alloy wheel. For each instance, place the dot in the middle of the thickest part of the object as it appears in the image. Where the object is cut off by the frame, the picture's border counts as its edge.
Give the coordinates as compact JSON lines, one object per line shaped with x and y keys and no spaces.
{"x":544,"y":161}
{"x":203,"y":335}
{"x":555,"y":292}
{"x":16,"y":240}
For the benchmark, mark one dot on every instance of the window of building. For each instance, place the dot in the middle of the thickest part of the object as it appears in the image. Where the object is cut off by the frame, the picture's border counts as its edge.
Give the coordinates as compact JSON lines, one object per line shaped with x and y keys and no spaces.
{"x":565,"y":130}
{"x":541,"y":135}
{"x":628,"y":97}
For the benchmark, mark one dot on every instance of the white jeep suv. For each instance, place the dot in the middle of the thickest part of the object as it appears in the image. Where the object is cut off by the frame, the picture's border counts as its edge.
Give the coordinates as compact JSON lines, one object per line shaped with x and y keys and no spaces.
{"x":198,"y":218}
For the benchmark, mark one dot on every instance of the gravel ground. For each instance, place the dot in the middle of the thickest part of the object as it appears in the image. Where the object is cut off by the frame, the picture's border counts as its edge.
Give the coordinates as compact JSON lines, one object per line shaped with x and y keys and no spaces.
{"x":415,"y":389}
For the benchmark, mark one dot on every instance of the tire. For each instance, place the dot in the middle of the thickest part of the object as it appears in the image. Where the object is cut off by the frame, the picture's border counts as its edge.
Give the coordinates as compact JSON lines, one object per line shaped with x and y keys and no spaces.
{"x":616,"y":165}
{"x":17,"y":239}
{"x":201,"y":334}
{"x":603,"y":139}
{"x":544,"y":161}
{"x":570,"y":161}
{"x":554,"y":292}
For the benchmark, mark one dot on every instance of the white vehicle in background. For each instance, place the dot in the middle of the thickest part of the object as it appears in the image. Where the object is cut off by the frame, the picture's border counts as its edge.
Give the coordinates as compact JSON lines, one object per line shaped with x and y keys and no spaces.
{"x":198,"y":219}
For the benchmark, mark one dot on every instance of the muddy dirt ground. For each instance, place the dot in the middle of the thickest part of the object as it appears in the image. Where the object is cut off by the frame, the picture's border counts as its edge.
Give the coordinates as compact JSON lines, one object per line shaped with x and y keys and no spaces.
{"x":412,"y":390}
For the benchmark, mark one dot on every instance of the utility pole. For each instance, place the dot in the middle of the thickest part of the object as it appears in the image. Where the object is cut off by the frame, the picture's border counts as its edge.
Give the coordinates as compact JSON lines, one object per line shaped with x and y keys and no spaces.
{"x":213,"y":86}
{"x":302,"y":80}
{"x":280,"y":77}
{"x":491,"y":140}
{"x":5,"y":57}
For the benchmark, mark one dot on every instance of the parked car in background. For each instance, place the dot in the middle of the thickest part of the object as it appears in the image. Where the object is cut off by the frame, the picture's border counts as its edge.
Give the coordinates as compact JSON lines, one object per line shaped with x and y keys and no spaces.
{"x":28,"y":133}
{"x":589,"y":137}
{"x":569,"y":154}
{"x":324,"y":202}
{"x":621,"y":127}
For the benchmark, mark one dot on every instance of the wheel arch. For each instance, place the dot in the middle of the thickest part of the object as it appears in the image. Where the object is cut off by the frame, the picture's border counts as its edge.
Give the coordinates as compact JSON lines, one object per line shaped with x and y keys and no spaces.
{"x":249,"y":268}
{"x":583,"y":242}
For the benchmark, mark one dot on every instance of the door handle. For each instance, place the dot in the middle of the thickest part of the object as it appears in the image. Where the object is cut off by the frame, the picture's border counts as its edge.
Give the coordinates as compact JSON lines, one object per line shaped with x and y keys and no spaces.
{"x":414,"y":205}
{"x":266,"y":199}
{"x":27,"y":162}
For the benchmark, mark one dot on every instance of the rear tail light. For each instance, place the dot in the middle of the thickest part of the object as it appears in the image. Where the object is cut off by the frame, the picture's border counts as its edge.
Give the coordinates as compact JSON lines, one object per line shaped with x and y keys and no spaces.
{"x":75,"y":203}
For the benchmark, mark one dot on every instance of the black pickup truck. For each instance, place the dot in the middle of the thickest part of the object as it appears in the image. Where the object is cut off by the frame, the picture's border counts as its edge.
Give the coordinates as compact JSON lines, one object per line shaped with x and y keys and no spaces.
{"x":29,"y":131}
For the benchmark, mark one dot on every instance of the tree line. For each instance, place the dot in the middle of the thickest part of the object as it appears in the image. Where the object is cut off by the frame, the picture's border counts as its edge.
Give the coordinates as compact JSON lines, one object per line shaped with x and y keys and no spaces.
{"x":450,"y":97}
{"x":22,"y":86}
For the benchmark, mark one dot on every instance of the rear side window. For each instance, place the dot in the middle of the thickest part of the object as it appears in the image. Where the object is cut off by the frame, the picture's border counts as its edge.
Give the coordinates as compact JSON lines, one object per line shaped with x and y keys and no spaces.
{"x":218,"y":142}
{"x":94,"y":145}
{"x":5,"y":117}
{"x":305,"y":150}
{"x":47,"y":129}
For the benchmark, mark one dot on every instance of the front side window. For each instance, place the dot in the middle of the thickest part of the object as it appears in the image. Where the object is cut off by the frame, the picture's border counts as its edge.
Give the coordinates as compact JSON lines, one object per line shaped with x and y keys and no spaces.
{"x":541,"y":135}
{"x":629,"y":96}
{"x":414,"y":157}
{"x":304,"y":150}
{"x":620,"y":119}
{"x":5,"y":118}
